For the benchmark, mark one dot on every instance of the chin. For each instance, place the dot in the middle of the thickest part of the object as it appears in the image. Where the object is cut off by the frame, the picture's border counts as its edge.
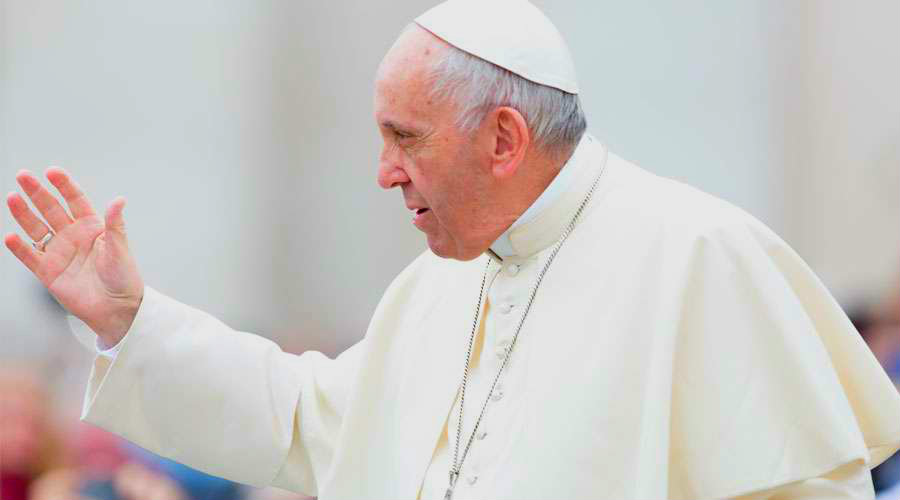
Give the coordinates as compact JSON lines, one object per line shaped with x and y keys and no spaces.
{"x":442,"y":251}
{"x":442,"y":247}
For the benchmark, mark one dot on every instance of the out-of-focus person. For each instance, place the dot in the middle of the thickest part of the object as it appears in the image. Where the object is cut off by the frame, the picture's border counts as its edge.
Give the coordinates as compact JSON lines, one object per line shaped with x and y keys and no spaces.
{"x":29,"y":443}
{"x":131,"y":481}
{"x":195,"y":485}
{"x":102,"y":466}
{"x":42,"y":458}
{"x":879,"y":326}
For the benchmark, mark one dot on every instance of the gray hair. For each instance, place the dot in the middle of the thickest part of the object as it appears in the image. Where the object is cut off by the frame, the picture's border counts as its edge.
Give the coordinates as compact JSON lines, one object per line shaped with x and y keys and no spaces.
{"x":555,"y":118}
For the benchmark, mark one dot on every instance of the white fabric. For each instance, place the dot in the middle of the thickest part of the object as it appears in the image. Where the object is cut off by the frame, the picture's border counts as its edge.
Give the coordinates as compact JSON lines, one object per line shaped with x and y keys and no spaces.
{"x":676,"y":349}
{"x":505,"y":419}
{"x":108,"y":352}
{"x":851,"y":480}
{"x":89,"y":339}
{"x":512,"y":34}
{"x":83,"y":333}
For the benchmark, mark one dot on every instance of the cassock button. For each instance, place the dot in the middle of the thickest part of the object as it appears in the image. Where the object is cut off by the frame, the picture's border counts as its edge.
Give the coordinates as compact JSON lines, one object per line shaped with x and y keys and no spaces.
{"x":497,"y":395}
{"x":481,"y":435}
{"x":472,"y":478}
{"x":512,"y":269}
{"x":507,"y":308}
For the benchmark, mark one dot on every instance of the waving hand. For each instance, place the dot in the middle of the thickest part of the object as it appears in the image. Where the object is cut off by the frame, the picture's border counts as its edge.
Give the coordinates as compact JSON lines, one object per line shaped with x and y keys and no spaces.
{"x":86,"y":264}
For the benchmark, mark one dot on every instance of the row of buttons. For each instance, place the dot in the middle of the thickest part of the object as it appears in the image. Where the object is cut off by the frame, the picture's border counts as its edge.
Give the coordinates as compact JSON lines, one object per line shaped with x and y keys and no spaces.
{"x":472,"y":478}
{"x":503,"y":347}
{"x":497,"y":395}
{"x":502,"y":351}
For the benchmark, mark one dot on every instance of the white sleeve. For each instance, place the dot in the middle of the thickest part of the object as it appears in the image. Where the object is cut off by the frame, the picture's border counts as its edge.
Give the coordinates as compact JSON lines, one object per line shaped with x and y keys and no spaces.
{"x":186,"y":386}
{"x":109,"y":353}
{"x":89,"y":339}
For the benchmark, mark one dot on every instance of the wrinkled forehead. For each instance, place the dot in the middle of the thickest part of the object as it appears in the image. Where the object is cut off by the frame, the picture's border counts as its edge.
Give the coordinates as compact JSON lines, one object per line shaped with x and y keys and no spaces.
{"x":403,"y":77}
{"x":415,"y":49}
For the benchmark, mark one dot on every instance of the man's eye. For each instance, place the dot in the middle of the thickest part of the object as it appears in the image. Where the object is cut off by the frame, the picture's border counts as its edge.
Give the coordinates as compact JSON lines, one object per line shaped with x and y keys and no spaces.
{"x":402,"y":135}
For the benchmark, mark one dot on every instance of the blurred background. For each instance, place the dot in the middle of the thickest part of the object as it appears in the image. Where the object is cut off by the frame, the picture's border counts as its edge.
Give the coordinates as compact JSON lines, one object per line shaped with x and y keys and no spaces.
{"x":242,"y":134}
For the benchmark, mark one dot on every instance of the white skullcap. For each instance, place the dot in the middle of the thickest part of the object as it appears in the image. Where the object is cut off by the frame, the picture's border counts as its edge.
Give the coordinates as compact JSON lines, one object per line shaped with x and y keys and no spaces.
{"x":512,"y":34}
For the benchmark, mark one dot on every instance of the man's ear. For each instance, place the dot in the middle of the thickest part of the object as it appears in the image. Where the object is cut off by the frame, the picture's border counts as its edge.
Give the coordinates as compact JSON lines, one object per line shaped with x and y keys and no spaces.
{"x":510,"y":142}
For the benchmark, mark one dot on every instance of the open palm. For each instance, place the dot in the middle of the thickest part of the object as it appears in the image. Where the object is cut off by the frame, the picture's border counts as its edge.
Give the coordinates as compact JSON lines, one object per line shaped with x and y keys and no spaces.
{"x":86,"y":265}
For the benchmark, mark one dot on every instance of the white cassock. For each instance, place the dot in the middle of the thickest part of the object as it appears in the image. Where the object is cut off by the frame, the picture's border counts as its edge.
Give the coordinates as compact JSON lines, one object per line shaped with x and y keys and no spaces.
{"x":677,"y":348}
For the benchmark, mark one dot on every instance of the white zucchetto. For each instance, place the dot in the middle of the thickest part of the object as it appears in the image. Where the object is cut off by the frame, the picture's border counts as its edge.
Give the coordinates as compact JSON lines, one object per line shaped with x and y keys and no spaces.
{"x":512,"y":34}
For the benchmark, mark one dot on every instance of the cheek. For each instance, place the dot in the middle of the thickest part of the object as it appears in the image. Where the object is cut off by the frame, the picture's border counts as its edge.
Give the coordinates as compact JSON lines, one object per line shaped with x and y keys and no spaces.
{"x":425,"y":175}
{"x":447,"y":178}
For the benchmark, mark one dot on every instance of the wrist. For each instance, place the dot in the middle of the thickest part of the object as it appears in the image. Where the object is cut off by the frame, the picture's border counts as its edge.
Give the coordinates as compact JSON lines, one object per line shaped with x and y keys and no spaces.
{"x":119,"y":323}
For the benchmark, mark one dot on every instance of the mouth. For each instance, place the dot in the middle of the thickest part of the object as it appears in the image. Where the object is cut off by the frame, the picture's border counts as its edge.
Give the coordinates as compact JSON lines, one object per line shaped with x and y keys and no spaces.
{"x":419,"y":215}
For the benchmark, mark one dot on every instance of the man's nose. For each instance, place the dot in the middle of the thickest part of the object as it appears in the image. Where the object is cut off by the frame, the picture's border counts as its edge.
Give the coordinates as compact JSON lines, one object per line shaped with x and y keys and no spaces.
{"x":390,"y":172}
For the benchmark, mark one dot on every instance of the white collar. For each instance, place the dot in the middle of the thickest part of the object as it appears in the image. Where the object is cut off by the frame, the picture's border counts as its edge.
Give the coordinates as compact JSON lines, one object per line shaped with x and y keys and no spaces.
{"x":559,"y":185}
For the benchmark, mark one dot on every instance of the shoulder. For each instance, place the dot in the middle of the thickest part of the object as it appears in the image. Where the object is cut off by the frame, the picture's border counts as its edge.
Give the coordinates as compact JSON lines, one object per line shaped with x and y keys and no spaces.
{"x":678,"y":211}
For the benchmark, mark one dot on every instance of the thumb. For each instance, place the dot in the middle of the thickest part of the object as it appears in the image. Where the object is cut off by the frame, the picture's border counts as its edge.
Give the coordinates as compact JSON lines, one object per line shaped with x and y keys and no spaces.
{"x":115,"y":222}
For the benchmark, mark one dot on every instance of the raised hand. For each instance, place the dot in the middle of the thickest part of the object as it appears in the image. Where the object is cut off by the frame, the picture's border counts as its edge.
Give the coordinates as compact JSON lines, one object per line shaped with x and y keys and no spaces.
{"x":86,"y":264}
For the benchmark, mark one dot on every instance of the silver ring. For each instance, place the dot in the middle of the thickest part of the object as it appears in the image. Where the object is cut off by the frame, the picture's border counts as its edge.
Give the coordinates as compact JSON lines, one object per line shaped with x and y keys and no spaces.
{"x":41,"y":245}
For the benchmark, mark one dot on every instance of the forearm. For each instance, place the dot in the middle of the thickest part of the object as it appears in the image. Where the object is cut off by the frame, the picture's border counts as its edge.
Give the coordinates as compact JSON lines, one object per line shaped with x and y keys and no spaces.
{"x":186,"y":386}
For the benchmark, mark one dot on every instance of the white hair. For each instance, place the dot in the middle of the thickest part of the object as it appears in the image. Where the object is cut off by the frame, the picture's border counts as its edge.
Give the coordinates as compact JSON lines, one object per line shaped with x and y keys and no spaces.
{"x":555,"y":118}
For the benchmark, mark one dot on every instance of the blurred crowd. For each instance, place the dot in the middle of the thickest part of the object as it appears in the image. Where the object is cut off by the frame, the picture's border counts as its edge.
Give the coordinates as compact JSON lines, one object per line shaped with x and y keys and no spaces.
{"x":47,"y":454}
{"x":879,"y":325}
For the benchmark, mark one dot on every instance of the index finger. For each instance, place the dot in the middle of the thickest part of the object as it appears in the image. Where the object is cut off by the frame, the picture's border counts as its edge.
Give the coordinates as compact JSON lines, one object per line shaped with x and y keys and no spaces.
{"x":78,"y":203}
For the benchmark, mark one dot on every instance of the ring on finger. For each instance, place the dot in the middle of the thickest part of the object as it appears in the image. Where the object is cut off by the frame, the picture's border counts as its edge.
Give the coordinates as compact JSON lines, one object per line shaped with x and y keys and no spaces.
{"x":41,"y":245}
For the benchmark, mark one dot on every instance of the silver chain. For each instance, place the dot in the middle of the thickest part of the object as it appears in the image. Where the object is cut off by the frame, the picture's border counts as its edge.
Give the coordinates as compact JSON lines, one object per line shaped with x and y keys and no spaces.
{"x":457,"y":462}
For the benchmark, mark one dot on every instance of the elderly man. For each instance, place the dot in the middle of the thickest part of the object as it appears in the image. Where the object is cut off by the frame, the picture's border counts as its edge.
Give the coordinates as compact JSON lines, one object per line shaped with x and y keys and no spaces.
{"x":580,"y":328}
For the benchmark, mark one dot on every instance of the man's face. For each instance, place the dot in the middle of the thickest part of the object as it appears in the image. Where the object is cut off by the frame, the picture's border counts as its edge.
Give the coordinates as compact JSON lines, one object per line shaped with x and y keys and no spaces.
{"x":444,"y":173}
